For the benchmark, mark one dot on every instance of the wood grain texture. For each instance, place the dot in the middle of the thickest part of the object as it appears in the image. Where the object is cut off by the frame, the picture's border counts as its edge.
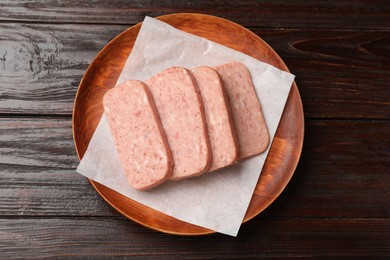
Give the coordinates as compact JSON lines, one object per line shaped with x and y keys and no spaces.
{"x":37,"y":172}
{"x":38,"y":142}
{"x":272,"y":14}
{"x":42,"y":65}
{"x":331,"y":182}
{"x":39,"y":191}
{"x":328,"y":183}
{"x":98,"y":238}
{"x":346,"y":72}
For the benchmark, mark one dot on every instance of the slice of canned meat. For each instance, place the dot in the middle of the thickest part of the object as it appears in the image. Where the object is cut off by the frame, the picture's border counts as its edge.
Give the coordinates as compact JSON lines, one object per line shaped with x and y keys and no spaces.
{"x":139,"y":138}
{"x":251,"y":129}
{"x":181,"y":111}
{"x":220,"y":128}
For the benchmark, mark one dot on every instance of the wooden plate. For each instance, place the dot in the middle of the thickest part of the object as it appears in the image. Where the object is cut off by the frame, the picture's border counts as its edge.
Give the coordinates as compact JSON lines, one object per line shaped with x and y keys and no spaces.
{"x":103,"y":73}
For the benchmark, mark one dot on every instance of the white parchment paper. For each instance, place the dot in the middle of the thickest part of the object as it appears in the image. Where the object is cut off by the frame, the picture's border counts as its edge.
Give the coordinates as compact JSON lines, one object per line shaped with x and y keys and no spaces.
{"x":218,"y":200}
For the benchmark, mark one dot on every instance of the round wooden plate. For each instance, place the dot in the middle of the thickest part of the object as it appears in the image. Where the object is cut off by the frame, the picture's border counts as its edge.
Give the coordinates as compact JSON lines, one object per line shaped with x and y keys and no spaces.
{"x":103,"y":73}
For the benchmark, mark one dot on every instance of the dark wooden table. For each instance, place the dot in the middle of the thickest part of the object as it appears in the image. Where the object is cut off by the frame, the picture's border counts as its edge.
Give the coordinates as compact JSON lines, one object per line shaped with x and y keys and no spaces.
{"x":338,"y":201}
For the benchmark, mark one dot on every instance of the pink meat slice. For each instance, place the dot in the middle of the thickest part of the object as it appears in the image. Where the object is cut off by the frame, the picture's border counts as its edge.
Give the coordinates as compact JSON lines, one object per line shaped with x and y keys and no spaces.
{"x":251,"y":129}
{"x":220,"y":128}
{"x":181,"y":111}
{"x":139,"y":138}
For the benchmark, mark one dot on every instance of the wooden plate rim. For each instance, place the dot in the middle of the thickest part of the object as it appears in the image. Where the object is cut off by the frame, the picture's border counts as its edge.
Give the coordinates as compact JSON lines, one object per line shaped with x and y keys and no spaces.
{"x":204,"y":231}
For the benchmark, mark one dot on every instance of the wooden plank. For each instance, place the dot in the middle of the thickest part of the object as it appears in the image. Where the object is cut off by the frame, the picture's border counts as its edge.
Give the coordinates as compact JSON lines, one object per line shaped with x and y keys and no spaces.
{"x":104,"y":237}
{"x":37,"y":172}
{"x":42,"y":65}
{"x":345,"y":74}
{"x":38,"y":142}
{"x":278,"y":14}
{"x":343,"y":172}
{"x":45,"y":191}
